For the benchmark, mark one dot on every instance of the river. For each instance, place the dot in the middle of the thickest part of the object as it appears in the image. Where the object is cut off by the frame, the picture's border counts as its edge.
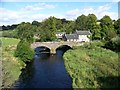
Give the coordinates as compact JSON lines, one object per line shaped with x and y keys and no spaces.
{"x":46,"y":71}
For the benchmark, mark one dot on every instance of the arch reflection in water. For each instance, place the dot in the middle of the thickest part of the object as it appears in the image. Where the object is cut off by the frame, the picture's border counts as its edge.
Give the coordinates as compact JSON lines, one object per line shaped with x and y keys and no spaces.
{"x":46,"y":71}
{"x":42,"y":49}
{"x":62,"y":49}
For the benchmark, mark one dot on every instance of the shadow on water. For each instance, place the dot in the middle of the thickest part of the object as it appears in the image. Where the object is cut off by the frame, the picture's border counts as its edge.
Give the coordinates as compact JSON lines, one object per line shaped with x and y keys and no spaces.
{"x":46,"y":71}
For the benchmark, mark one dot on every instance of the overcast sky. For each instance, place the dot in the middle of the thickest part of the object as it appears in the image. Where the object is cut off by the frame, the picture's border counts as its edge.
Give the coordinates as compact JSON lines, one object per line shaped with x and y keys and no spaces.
{"x":14,"y":11}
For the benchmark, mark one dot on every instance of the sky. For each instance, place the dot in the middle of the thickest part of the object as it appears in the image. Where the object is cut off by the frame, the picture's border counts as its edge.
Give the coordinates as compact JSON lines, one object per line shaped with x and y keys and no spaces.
{"x":17,"y":11}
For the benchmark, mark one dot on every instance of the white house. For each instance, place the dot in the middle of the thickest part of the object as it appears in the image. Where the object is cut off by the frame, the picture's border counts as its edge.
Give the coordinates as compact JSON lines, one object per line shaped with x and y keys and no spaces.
{"x":71,"y":37}
{"x":78,"y":36}
{"x":83,"y":36}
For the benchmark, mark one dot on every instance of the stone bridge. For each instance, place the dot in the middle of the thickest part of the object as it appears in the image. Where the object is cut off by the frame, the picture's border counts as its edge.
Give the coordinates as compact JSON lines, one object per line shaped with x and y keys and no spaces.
{"x":54,"y":45}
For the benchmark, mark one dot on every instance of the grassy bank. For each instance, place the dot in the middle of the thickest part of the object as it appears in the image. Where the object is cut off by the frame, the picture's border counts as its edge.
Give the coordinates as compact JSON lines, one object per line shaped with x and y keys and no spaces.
{"x":91,"y":66}
{"x":11,"y":65}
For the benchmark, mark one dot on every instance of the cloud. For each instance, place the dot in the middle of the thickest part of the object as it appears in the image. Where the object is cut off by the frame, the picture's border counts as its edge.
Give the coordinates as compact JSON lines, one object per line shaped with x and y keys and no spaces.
{"x":31,"y":8}
{"x":27,"y":14}
{"x":33,"y":12}
{"x":60,"y":0}
{"x":115,"y":0}
{"x":38,"y":7}
{"x":99,"y":12}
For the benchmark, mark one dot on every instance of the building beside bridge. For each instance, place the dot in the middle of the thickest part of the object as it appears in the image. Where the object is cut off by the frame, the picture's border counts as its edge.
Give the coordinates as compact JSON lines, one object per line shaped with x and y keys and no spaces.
{"x":77,"y":36}
{"x":59,"y":35}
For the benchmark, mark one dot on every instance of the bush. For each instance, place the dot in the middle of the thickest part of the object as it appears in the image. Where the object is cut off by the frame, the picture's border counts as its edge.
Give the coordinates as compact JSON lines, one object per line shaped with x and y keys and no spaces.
{"x":24,"y":52}
{"x":10,"y":34}
{"x":91,"y":66}
{"x":113,"y":44}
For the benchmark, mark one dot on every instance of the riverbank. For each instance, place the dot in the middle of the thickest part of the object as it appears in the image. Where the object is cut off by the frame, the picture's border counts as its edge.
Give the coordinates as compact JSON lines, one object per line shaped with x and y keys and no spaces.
{"x":11,"y":66}
{"x":91,"y":66}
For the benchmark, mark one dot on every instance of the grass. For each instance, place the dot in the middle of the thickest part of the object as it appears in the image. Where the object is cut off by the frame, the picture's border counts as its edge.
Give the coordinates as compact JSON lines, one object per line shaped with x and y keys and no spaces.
{"x":92,"y":67}
{"x":11,"y":65}
{"x":9,"y":42}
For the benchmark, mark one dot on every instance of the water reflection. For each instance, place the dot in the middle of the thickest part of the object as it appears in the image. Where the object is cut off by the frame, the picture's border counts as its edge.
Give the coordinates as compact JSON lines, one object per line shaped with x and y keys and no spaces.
{"x":46,"y":71}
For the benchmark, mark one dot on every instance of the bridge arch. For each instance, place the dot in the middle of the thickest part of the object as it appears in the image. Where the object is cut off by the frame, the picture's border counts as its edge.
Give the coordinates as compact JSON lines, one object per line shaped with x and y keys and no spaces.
{"x":64,"y":48}
{"x":53,"y":46}
{"x":42,"y":49}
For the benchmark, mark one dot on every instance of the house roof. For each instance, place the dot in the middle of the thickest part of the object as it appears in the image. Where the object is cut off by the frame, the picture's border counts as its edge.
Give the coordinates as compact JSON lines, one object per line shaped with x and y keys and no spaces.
{"x":82,"y":32}
{"x":71,"y":36}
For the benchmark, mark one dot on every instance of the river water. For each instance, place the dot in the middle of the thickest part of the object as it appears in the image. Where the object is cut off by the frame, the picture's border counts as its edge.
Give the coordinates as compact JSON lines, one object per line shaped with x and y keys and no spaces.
{"x":46,"y":71}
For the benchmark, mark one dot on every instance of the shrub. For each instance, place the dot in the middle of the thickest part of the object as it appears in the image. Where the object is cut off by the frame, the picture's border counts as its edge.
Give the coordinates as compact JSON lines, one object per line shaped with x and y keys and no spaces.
{"x":10,"y":34}
{"x":24,"y":52}
{"x":113,"y":44}
{"x":91,"y":66}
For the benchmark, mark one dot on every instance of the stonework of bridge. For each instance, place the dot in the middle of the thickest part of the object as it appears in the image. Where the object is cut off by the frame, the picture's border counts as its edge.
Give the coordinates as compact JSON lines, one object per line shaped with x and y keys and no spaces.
{"x":54,"y":45}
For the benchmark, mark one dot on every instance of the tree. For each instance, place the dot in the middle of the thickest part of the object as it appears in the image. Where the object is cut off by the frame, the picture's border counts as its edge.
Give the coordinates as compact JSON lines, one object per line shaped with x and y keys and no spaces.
{"x":93,"y":26}
{"x":59,"y":25}
{"x":117,"y":26}
{"x":48,"y":29}
{"x":91,"y":22}
{"x":96,"y":32}
{"x":113,"y":44}
{"x":81,"y":23}
{"x":107,"y":28}
{"x":69,"y":27}
{"x":24,"y":52}
{"x":36,"y":23}
{"x":25,"y":32}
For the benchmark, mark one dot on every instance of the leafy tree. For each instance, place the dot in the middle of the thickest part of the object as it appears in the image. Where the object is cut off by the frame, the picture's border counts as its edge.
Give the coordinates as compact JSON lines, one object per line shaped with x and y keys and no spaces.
{"x":59,"y":25}
{"x":9,"y":27}
{"x":91,"y":22}
{"x":113,"y":44}
{"x":69,"y":27}
{"x":117,"y":26}
{"x":36,"y":23}
{"x":96,"y":32}
{"x":93,"y":26}
{"x":48,"y":29}
{"x":25,"y":32}
{"x":107,"y":28}
{"x":81,"y":23}
{"x":24,"y":52}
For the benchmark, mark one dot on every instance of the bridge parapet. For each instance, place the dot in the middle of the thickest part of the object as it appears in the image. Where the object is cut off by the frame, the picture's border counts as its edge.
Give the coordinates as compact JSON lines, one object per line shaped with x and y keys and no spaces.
{"x":54,"y":45}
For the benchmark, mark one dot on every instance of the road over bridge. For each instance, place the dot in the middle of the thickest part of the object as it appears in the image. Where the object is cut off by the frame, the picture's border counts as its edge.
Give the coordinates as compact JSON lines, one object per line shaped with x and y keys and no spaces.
{"x":54,"y":45}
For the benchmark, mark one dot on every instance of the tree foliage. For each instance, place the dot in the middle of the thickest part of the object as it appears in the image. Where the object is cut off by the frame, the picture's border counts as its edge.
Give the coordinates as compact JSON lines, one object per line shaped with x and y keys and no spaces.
{"x":107,"y":31}
{"x":117,"y":26}
{"x":48,"y":29}
{"x":113,"y":44}
{"x":81,"y":22}
{"x":36,"y":23}
{"x":93,"y":27}
{"x":25,"y":32}
{"x":24,"y":52}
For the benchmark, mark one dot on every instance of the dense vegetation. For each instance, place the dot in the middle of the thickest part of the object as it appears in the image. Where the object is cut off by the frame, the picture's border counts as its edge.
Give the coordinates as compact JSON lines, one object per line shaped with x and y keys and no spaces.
{"x":104,"y":29}
{"x":11,"y":66}
{"x":91,"y":66}
{"x":23,"y":50}
{"x":9,"y":33}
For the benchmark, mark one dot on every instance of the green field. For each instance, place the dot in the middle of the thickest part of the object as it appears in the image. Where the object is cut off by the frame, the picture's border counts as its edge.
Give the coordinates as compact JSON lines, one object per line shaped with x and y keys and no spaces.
{"x":11,"y":65}
{"x":9,"y":41}
{"x":92,"y":67}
